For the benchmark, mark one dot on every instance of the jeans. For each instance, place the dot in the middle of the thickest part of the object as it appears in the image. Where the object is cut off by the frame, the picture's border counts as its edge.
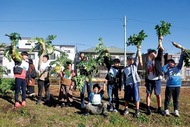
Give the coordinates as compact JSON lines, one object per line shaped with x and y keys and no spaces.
{"x":20,"y":85}
{"x":89,"y":90}
{"x":46,"y":85}
{"x":171,"y":92}
{"x":113,"y":90}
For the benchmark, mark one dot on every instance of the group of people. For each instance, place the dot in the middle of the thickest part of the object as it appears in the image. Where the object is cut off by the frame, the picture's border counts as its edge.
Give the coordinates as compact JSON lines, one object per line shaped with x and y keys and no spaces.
{"x":117,"y":79}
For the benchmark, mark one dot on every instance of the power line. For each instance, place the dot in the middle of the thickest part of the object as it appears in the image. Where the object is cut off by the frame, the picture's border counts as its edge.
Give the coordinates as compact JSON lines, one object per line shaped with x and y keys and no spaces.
{"x":60,"y":20}
{"x":176,"y":27}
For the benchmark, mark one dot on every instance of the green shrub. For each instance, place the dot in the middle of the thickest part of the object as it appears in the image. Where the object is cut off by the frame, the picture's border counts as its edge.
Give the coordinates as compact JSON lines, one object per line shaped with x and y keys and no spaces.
{"x":6,"y":85}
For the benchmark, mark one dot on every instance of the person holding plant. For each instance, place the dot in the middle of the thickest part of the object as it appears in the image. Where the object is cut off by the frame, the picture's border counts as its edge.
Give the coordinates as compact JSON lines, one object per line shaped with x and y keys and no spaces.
{"x":43,"y":80}
{"x":153,"y":77}
{"x":87,"y":82}
{"x":66,"y":85}
{"x":114,"y":82}
{"x":32,"y":71}
{"x":21,"y":73}
{"x":95,"y":105}
{"x":130,"y":84}
{"x":173,"y":83}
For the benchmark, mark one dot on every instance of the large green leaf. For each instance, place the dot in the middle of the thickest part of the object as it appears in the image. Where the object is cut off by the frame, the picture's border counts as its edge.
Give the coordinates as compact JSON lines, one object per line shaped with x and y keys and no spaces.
{"x":163,"y":29}
{"x":137,"y":39}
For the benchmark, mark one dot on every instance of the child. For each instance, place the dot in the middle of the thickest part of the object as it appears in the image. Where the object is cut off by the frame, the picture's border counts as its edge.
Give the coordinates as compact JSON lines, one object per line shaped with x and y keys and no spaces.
{"x":66,"y":90}
{"x":173,"y":84}
{"x":32,"y":71}
{"x":43,"y":80}
{"x":153,"y":78}
{"x":114,"y":82}
{"x":131,"y":81}
{"x":95,"y":106}
{"x":20,"y":79}
{"x":87,"y":84}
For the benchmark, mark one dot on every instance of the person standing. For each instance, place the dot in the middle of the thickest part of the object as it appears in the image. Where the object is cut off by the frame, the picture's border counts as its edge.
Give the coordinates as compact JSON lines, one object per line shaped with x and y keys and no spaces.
{"x":87,"y":83}
{"x":32,"y":71}
{"x":130,"y":83}
{"x":66,"y":85}
{"x":21,"y":73}
{"x":114,"y":82}
{"x":153,"y":78}
{"x":43,"y":80}
{"x":173,"y":84}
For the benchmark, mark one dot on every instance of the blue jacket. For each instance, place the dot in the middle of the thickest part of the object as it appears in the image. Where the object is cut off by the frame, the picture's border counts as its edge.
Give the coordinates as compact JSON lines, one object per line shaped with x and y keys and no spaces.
{"x":173,"y":73}
{"x":92,"y":99}
{"x":126,"y":72}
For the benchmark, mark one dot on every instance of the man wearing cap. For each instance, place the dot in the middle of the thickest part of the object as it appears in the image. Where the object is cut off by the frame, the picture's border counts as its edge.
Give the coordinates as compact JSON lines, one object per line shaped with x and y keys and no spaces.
{"x":21,"y":72}
{"x":114,"y":82}
{"x":153,"y":77}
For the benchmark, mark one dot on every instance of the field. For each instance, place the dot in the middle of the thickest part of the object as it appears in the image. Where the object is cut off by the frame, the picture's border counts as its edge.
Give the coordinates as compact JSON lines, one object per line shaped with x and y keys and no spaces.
{"x":54,"y":116}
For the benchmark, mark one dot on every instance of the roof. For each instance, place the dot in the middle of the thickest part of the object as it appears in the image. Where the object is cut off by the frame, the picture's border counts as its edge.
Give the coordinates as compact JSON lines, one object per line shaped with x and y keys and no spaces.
{"x":65,"y":45}
{"x":111,"y":49}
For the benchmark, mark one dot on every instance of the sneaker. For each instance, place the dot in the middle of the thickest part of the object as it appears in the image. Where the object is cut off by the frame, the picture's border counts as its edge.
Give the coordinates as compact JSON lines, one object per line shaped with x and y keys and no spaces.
{"x":47,"y":102}
{"x":160,"y":112}
{"x":111,"y":109}
{"x":86,"y":114}
{"x":24,"y":103}
{"x":115,"y":110}
{"x":17,"y":105}
{"x":32,"y":94}
{"x":126,"y":111}
{"x":176,"y":113}
{"x":69,"y":104}
{"x":105,"y":114}
{"x":148,"y":112}
{"x":62,"y":105}
{"x":137,"y":113}
{"x":167,"y":112}
{"x":38,"y":102}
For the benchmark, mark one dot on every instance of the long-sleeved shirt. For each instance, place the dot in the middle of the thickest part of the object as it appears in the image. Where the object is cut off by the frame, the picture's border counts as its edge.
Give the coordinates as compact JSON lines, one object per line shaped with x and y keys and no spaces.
{"x":113,"y":71}
{"x":130,"y":75}
{"x":173,"y":73}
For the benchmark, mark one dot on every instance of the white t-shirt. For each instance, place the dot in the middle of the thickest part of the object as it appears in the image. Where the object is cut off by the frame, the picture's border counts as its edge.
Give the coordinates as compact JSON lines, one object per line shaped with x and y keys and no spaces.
{"x":151,"y":71}
{"x":44,"y":66}
{"x":96,"y":99}
{"x":24,"y":65}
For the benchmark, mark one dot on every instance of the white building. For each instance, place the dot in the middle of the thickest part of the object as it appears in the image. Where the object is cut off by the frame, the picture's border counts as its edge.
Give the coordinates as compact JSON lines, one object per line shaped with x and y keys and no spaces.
{"x":25,"y":45}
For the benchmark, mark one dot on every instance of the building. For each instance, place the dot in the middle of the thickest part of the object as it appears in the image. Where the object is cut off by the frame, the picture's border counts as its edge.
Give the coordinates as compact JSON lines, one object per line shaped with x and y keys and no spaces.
{"x":25,"y":45}
{"x":115,"y":52}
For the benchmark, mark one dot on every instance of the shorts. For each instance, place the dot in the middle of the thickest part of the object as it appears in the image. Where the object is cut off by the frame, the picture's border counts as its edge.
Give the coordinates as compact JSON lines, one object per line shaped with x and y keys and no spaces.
{"x":153,"y":84}
{"x":132,"y":91}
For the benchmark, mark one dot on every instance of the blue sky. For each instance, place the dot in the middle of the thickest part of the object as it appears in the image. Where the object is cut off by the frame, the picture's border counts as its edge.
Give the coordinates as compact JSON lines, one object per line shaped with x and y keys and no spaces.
{"x":82,"y":22}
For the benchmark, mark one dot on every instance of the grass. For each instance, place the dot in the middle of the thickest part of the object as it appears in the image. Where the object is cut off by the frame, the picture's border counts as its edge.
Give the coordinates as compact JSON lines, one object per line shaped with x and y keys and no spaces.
{"x":53,"y":116}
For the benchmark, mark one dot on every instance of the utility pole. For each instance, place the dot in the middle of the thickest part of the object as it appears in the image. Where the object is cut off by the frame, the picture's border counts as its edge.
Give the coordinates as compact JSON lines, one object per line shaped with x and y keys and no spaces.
{"x":125,"y":40}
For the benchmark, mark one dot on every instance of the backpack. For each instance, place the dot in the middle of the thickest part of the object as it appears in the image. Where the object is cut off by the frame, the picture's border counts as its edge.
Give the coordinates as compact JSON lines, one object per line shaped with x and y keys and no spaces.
{"x":33,"y":73}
